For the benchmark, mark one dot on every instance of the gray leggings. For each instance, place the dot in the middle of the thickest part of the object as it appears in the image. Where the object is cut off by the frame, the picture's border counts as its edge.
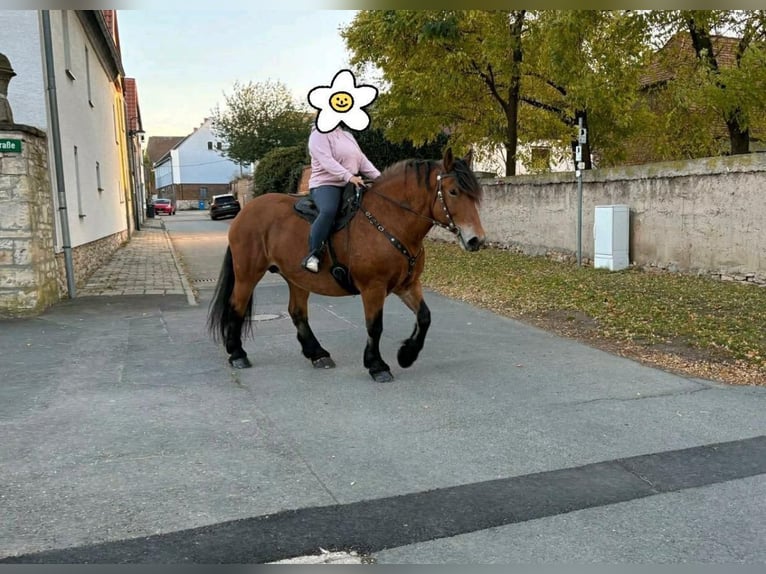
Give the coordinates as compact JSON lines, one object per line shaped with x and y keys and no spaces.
{"x":327,"y":200}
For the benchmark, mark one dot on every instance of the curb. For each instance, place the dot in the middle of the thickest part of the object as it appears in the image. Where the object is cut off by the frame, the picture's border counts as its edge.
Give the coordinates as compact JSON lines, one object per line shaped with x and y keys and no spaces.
{"x":190,"y":298}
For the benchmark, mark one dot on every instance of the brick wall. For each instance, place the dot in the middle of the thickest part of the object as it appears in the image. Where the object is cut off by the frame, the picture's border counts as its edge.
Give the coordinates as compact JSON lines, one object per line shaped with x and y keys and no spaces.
{"x":303,"y":184}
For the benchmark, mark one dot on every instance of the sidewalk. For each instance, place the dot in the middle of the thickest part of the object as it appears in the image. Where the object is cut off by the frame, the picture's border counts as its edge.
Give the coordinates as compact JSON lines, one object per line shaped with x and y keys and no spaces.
{"x":146,"y":265}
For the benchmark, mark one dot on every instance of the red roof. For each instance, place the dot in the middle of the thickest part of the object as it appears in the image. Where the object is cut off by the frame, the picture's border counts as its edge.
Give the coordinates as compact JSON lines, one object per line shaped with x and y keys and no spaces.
{"x":131,"y":102}
{"x":110,"y":17}
{"x":679,"y":51}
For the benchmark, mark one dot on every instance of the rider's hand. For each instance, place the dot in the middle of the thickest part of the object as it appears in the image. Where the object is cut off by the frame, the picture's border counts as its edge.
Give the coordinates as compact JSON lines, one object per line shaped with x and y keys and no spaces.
{"x":356,"y":180}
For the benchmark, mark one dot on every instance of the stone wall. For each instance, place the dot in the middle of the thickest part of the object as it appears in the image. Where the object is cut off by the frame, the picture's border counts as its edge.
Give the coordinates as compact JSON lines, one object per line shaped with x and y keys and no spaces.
{"x":703,"y":216}
{"x":28,"y":267}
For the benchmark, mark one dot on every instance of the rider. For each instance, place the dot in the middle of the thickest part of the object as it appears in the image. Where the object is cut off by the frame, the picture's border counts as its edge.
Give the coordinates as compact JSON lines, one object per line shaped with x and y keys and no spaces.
{"x":336,"y":160}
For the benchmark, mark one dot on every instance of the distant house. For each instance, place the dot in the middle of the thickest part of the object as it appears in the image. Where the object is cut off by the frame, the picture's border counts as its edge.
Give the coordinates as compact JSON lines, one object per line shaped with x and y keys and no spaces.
{"x":66,"y":227}
{"x":156,"y":148}
{"x":195,"y":169}
{"x":540,"y":157}
{"x":135,"y":146}
{"x":675,"y":60}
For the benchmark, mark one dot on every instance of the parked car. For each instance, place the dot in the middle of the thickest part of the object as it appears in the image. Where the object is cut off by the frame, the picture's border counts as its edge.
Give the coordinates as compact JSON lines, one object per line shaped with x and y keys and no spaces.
{"x":223,"y":206}
{"x":164,"y":206}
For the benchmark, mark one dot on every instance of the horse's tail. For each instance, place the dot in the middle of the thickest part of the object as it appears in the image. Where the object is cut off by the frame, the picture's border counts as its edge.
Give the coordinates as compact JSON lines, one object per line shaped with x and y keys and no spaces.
{"x":221,"y":314}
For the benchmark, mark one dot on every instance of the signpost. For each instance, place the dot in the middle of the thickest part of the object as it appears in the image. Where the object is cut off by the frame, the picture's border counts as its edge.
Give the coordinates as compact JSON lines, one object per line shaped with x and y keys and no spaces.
{"x":582,"y":139}
{"x":10,"y":145}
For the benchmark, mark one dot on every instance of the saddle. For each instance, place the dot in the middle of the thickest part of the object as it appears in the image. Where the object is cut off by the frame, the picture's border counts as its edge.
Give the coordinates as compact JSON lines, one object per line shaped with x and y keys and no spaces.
{"x":350,"y":201}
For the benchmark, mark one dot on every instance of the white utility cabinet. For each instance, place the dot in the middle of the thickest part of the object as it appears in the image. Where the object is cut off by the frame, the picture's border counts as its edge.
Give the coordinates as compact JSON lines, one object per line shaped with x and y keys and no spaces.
{"x":611,"y":229}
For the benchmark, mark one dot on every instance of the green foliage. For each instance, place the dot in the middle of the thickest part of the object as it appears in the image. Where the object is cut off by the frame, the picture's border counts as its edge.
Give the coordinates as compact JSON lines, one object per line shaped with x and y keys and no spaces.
{"x":279,"y":170}
{"x":382,"y":152}
{"x":502,"y":78}
{"x":258,"y":118}
{"x":717,"y":95}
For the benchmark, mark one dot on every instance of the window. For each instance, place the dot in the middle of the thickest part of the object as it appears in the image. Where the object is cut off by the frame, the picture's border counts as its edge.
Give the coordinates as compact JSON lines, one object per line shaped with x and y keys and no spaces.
{"x":77,"y":183}
{"x":541,"y":158}
{"x":203,"y":193}
{"x":98,"y":176}
{"x":218,"y":145}
{"x":67,"y":45}
{"x":209,"y":145}
{"x":87,"y":76}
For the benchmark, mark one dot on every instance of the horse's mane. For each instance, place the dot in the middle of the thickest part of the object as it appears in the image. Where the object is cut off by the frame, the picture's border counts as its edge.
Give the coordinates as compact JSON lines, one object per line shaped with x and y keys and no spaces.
{"x":466,"y":179}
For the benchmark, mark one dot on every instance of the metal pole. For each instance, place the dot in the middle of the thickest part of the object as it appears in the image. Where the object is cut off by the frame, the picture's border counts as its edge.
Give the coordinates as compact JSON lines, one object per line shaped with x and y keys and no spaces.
{"x":58,"y":161}
{"x":133,"y":179}
{"x":579,"y":217}
{"x":578,"y":172}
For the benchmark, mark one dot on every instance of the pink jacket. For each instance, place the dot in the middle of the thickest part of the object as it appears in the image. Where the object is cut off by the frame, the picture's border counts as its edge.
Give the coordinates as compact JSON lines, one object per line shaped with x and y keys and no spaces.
{"x":336,"y":157}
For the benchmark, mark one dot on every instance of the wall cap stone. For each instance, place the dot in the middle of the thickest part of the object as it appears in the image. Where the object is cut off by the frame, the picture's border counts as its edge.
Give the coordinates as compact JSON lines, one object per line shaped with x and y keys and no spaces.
{"x":8,"y":127}
{"x":743,"y":163}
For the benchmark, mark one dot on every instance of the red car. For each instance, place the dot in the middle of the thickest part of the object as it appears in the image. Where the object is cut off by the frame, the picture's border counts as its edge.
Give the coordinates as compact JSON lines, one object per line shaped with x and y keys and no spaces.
{"x":164,"y":206}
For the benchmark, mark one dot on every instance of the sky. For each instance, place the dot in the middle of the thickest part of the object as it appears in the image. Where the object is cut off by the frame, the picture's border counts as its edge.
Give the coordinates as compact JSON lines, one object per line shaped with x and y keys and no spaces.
{"x":184,"y":61}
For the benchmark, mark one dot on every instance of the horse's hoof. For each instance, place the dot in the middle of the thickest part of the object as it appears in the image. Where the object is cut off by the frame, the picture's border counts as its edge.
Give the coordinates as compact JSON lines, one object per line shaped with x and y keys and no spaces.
{"x":407,"y":355}
{"x":382,"y":377}
{"x":240,"y":363}
{"x":323,"y":363}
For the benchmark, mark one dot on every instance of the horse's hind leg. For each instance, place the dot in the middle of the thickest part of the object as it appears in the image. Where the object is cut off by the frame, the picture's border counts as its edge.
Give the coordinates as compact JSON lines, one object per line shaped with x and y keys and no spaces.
{"x":410,"y":349}
{"x":241,"y":303}
{"x":312,"y":350}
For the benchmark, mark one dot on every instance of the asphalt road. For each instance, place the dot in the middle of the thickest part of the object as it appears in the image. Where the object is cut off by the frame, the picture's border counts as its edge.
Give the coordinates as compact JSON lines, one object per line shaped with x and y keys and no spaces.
{"x":127,"y":438}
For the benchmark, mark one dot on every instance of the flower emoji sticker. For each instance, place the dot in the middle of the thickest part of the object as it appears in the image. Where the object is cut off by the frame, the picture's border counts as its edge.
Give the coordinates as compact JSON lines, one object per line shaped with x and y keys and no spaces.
{"x":342,"y":102}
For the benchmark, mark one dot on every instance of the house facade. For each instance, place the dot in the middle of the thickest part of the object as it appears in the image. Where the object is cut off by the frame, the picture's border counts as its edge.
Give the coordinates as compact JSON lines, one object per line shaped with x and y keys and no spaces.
{"x":84,"y":196}
{"x":195,"y":169}
{"x":540,"y":157}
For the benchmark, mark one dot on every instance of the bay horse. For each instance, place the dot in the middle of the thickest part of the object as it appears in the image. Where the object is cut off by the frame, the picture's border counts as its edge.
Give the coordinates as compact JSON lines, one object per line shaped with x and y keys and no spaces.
{"x":382,"y":247}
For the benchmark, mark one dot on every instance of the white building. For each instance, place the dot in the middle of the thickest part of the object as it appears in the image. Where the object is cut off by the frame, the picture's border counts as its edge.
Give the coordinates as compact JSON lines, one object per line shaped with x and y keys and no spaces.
{"x":195,"y":169}
{"x":541,"y":157}
{"x":82,"y":113}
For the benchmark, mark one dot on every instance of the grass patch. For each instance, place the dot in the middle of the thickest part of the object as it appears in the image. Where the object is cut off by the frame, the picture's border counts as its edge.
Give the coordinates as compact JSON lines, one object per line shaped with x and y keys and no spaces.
{"x":708,"y":320}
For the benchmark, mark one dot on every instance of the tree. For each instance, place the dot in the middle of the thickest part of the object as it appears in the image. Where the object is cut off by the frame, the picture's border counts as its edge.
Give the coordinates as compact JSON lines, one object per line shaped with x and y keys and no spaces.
{"x":279,"y":171}
{"x":382,"y":152}
{"x":729,"y":83}
{"x":500,"y":78}
{"x":432,"y":63}
{"x":587,"y":63}
{"x":258,"y":118}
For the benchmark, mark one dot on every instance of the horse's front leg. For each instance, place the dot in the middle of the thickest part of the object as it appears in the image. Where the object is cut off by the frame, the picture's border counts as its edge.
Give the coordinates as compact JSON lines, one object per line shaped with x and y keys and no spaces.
{"x":412,"y":296}
{"x":373,"y":300}
{"x":310,"y":346}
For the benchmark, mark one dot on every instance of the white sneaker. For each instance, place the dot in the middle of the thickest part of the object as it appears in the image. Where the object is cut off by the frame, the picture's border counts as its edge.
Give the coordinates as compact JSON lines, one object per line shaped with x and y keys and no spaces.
{"x":312,"y":264}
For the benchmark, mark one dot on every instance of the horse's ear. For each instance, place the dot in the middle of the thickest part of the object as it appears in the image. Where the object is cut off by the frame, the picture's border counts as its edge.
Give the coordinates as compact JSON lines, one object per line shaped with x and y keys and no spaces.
{"x":468,"y":158}
{"x":449,"y":160}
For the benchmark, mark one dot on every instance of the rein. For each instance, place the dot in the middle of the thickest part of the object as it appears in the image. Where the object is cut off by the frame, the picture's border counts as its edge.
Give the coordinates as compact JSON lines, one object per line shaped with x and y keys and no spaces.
{"x":451,"y":227}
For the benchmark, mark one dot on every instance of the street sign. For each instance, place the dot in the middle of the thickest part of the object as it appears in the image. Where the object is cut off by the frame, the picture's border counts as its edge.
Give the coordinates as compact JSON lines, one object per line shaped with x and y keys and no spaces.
{"x":8,"y":145}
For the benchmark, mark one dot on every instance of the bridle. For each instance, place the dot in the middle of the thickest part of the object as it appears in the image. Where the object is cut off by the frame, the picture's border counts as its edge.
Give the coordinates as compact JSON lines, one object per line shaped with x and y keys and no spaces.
{"x":449,"y":226}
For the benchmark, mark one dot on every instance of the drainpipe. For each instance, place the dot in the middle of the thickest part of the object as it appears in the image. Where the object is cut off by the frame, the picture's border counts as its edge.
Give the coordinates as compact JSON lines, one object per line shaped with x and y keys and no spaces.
{"x":58,"y":162}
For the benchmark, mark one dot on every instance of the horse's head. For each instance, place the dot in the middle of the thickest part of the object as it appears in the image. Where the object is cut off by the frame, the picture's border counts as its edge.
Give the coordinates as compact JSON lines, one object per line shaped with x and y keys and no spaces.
{"x":459,"y":195}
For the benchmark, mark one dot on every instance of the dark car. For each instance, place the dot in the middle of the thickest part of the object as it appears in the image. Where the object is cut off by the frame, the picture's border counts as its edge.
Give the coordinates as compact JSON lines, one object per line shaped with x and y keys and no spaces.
{"x":164,"y":206}
{"x":223,"y":206}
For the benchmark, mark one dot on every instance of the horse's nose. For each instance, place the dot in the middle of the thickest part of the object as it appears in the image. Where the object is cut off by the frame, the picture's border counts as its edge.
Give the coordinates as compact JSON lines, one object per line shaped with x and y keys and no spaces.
{"x":475,"y":243}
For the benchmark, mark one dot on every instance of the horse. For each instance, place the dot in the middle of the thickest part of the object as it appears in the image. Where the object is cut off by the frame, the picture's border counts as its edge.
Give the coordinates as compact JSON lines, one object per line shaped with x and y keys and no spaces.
{"x":381,"y":246}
